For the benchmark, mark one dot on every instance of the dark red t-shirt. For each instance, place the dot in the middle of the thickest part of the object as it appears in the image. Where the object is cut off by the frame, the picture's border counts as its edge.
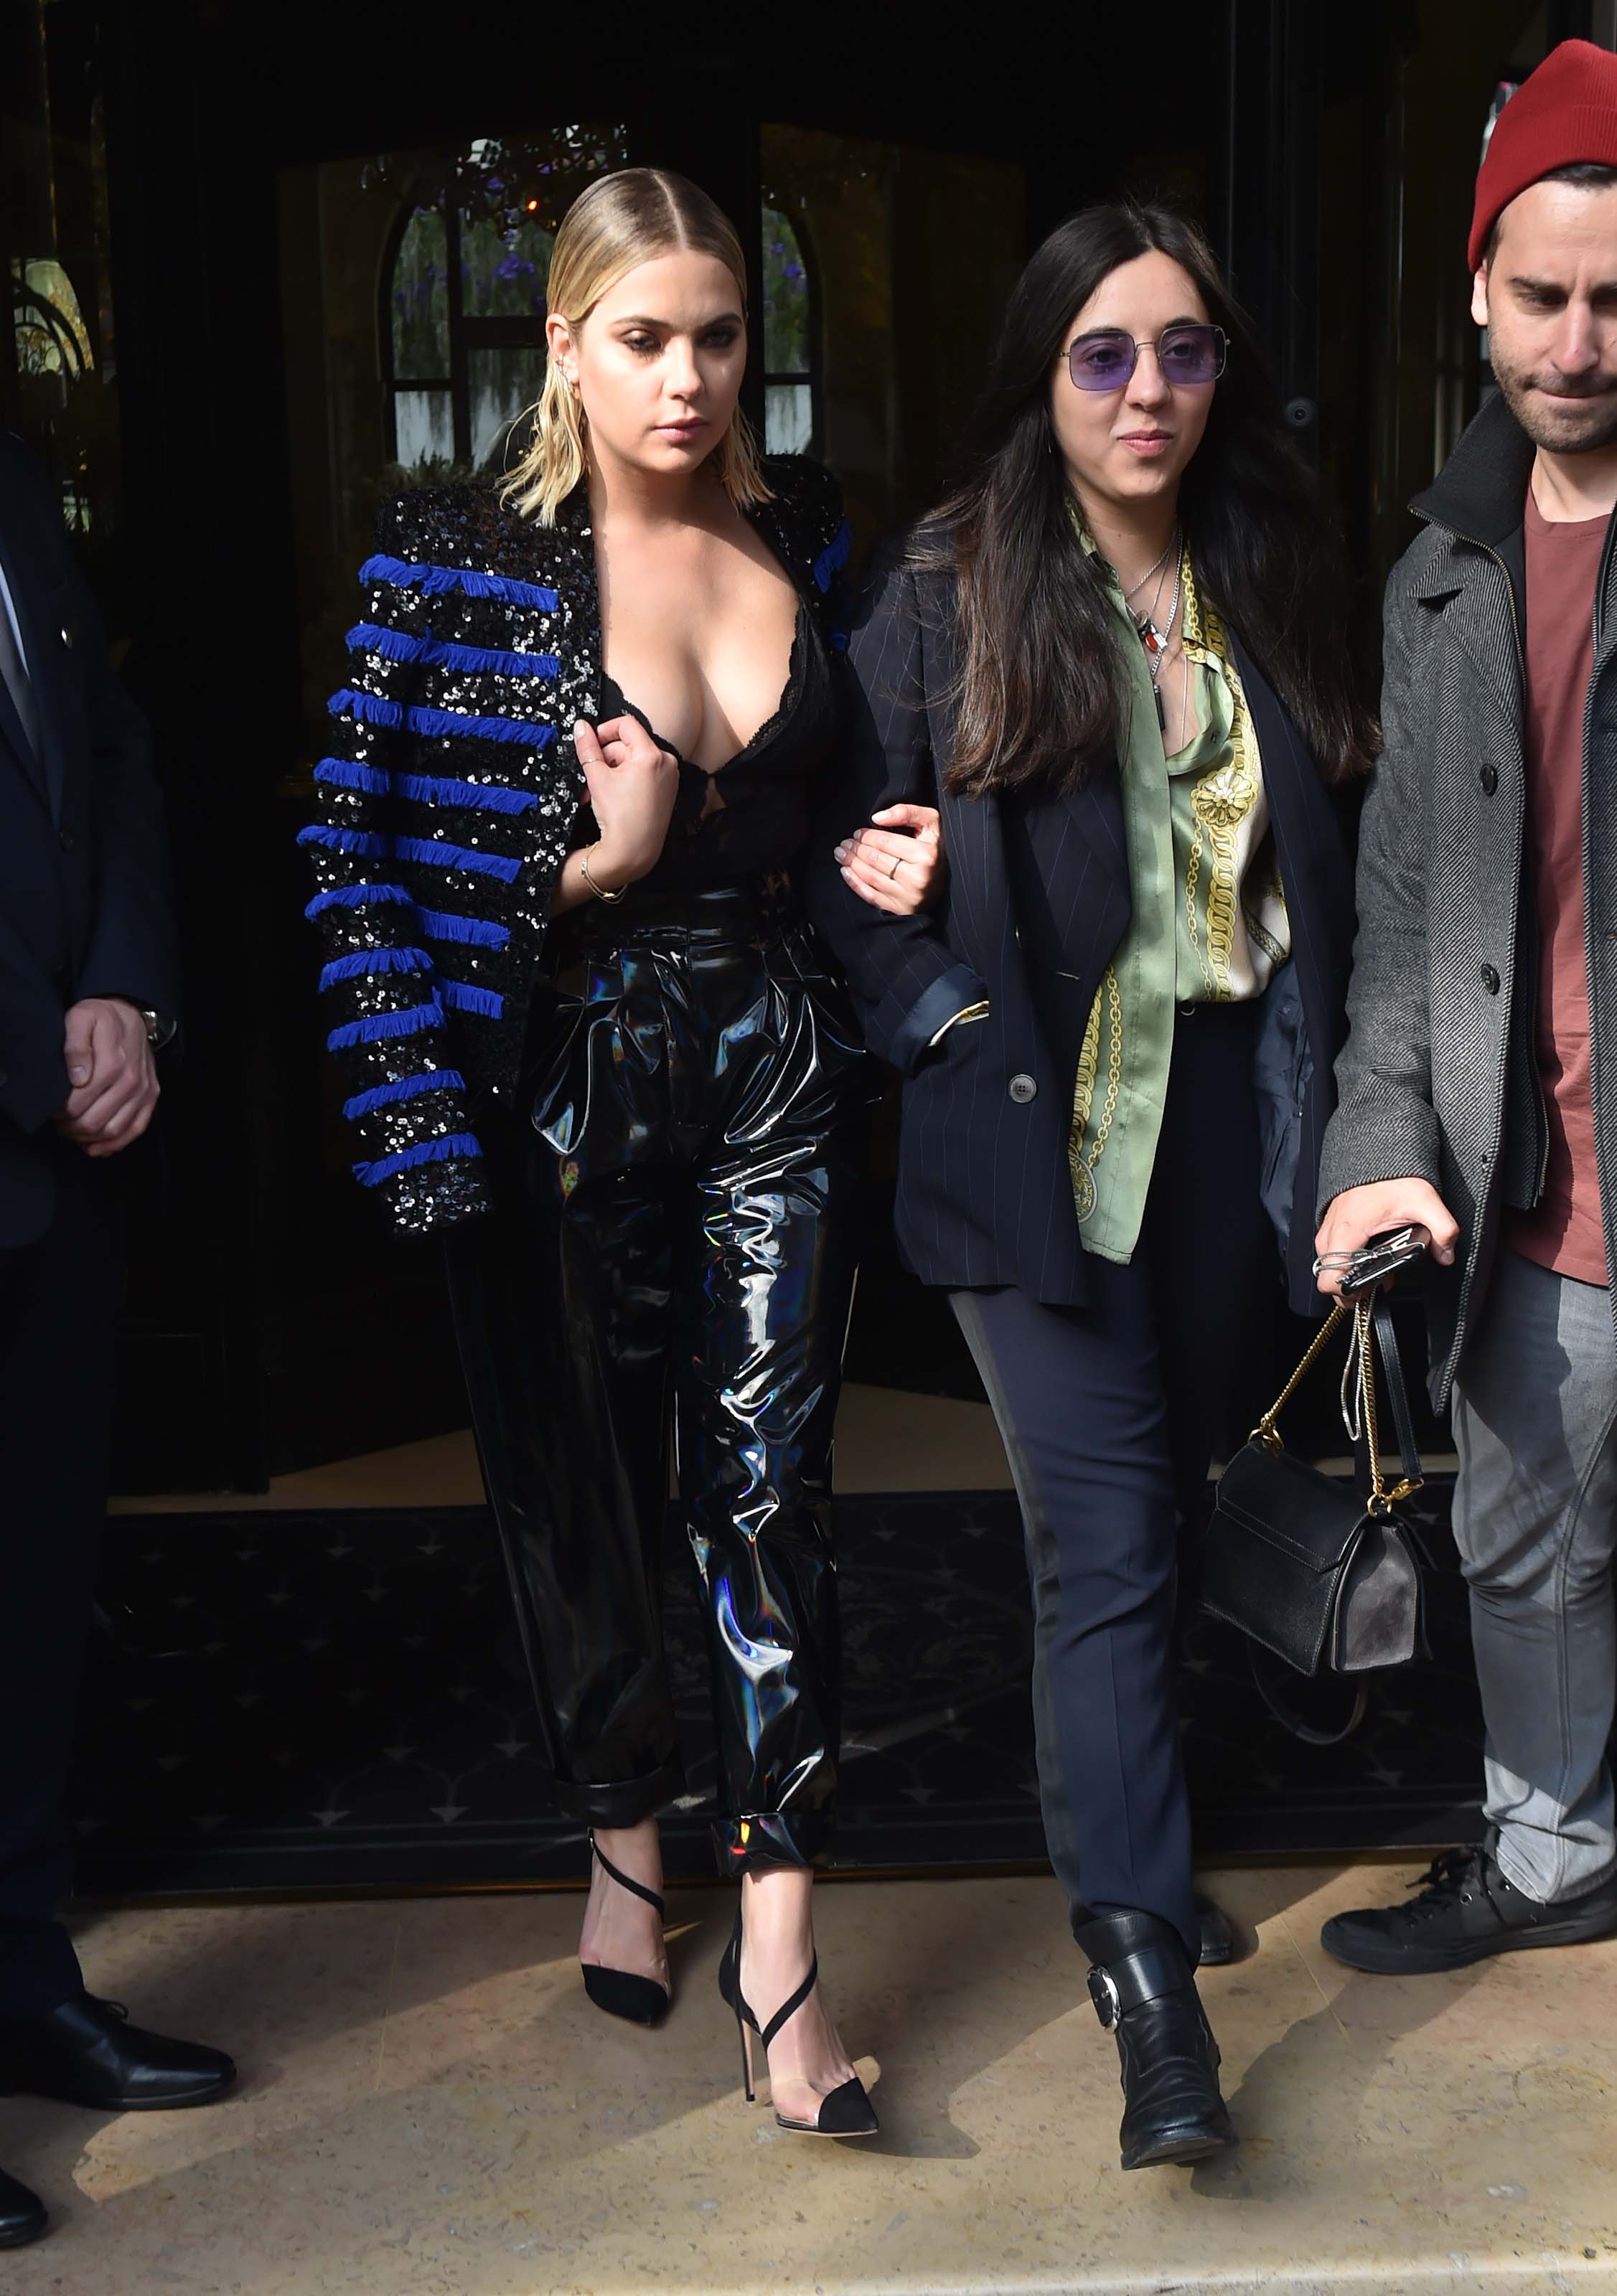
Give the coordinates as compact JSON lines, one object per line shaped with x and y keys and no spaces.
{"x":1562,"y":564}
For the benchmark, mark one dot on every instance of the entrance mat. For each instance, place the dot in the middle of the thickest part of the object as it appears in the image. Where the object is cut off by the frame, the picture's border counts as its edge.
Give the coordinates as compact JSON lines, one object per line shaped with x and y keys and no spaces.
{"x":334,"y":1700}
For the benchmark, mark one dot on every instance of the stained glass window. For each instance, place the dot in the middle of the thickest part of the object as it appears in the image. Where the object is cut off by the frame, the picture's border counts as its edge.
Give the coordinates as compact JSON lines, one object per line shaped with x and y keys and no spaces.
{"x":791,"y":393}
{"x":464,"y":289}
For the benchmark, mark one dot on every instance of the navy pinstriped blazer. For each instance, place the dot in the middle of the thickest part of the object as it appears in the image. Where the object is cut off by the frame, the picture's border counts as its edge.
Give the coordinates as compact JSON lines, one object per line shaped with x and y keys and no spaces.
{"x":1038,"y":899}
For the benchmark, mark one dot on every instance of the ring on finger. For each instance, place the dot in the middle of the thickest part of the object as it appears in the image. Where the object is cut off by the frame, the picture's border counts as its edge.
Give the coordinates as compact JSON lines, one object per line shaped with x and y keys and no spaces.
{"x":898,"y":862}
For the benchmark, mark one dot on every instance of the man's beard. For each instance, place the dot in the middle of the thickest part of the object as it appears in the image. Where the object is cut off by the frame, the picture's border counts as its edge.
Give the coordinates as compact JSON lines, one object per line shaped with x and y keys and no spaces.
{"x":1581,"y":425}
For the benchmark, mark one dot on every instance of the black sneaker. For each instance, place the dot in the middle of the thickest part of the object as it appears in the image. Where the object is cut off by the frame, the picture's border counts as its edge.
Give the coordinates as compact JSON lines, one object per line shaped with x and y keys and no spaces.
{"x":1465,"y":1911}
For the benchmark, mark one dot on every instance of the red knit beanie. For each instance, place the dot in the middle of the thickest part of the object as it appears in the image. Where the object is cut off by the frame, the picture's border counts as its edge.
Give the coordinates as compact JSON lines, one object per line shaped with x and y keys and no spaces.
{"x":1564,"y":112}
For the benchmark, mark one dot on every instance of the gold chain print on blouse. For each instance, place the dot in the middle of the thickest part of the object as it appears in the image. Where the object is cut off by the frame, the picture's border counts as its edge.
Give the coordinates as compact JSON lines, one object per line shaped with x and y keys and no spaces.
{"x":1208,"y":923}
{"x":1219,"y":803}
{"x":1109,"y":996}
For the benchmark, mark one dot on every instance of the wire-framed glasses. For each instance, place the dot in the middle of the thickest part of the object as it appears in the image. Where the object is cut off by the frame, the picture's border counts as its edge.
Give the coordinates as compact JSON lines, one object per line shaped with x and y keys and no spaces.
{"x":1193,"y":352}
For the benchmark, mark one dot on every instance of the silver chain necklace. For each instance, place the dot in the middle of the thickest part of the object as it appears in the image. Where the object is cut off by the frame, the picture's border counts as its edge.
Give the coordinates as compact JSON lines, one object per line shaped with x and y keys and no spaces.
{"x":1151,"y":569}
{"x":1154,"y":637}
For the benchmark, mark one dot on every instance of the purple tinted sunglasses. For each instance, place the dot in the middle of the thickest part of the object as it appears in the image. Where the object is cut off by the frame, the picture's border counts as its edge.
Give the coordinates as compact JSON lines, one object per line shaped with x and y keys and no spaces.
{"x":1193,"y":353}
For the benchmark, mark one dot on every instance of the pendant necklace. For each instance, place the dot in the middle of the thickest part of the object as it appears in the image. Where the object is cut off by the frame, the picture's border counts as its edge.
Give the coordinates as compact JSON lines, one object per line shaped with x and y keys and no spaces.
{"x":1154,"y":637}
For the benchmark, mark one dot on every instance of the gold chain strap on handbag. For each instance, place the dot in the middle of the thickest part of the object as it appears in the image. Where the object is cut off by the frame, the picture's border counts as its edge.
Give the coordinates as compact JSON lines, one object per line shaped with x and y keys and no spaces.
{"x":1267,"y":1429}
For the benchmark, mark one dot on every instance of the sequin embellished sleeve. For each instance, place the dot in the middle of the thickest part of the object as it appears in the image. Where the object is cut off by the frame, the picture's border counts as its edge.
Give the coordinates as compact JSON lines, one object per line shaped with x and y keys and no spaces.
{"x":383,"y":1002}
{"x":807,"y":513}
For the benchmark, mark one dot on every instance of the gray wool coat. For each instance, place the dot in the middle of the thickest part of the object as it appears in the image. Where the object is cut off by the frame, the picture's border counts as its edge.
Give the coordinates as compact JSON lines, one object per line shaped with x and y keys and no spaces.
{"x":1438,"y":1077}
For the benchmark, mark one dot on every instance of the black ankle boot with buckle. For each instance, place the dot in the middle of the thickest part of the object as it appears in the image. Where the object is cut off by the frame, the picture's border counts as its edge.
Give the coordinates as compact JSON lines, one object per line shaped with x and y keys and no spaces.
{"x":1144,"y":1993}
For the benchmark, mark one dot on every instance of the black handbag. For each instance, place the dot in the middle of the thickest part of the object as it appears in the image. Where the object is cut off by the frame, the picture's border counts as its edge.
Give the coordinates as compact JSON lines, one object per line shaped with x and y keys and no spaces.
{"x":1326,"y":1579}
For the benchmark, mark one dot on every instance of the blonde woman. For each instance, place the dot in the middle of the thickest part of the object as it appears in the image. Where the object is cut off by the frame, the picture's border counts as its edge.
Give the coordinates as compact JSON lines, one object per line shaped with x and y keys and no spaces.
{"x":592,"y":1037}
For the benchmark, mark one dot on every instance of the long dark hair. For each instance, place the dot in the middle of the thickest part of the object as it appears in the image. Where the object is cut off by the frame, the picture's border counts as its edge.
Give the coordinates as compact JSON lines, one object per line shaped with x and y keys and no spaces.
{"x":1036,"y":697}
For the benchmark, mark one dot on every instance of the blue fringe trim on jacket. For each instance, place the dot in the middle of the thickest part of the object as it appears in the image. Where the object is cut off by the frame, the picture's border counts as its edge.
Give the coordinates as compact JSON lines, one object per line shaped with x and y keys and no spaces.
{"x":371,"y":962}
{"x":404,"y":645}
{"x":465,"y":997}
{"x":833,"y":557}
{"x":384,"y":1096}
{"x":427,"y":789}
{"x":375,"y":709}
{"x":425,"y":1151}
{"x":445,"y":924}
{"x":431,"y":581}
{"x":353,"y":897}
{"x":375,"y":1026}
{"x":343,"y":841}
{"x":456,"y":857}
{"x":347,"y":774}
{"x":485,"y":797}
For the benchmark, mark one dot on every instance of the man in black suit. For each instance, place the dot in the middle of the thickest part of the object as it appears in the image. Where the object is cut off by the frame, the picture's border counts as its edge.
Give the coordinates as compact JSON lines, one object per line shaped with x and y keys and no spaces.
{"x":88,"y":993}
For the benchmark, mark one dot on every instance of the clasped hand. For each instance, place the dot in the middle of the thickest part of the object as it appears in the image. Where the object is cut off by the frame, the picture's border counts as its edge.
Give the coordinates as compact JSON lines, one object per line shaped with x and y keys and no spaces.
{"x":898,"y":864}
{"x":113,"y":1074}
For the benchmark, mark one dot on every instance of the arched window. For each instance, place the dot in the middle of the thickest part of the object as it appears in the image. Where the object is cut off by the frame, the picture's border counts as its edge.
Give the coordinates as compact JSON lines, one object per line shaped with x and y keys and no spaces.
{"x":792,"y":380}
{"x":462,"y":317}
{"x":421,"y":411}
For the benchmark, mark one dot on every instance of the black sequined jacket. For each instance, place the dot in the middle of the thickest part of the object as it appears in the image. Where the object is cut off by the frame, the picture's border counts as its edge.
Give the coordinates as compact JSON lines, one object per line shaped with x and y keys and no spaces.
{"x":448,"y":799}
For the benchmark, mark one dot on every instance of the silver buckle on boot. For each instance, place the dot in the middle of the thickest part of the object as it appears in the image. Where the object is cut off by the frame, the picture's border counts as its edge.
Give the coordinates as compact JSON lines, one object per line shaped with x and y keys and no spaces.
{"x":1108,"y":2001}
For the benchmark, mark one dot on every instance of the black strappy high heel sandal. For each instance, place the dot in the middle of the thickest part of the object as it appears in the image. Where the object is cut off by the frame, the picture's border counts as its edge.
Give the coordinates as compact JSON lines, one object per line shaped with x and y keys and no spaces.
{"x":846,"y":2111}
{"x":621,"y":1993}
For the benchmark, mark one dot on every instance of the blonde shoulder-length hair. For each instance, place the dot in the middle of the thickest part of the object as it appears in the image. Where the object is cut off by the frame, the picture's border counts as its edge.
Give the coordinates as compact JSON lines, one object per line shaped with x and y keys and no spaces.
{"x":622,"y":220}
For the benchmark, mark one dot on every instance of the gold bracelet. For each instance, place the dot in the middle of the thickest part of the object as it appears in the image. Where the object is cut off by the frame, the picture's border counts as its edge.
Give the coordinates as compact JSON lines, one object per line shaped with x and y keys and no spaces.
{"x":599,"y":892}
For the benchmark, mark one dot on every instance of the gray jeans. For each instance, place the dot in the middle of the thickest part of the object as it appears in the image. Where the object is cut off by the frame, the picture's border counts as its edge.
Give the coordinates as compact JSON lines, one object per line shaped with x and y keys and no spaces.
{"x":1535,"y":1516}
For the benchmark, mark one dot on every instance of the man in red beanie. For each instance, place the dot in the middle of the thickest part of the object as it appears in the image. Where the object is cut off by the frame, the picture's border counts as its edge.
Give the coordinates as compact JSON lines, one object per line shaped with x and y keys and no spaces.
{"x":1478,"y":1082}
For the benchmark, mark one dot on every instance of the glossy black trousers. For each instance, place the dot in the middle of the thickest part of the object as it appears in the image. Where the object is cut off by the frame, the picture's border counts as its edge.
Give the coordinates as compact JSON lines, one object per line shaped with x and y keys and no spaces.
{"x":676,"y":1239}
{"x":1111,"y":1414}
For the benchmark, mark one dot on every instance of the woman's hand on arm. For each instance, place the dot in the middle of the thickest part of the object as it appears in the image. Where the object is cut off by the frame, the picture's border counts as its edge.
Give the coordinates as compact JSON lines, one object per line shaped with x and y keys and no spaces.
{"x":897,"y":864}
{"x":632,"y":784}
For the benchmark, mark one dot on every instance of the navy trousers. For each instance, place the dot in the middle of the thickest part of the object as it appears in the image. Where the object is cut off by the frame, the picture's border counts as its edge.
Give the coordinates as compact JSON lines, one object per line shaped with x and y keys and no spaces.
{"x":59,"y":1301}
{"x":1111,"y":1414}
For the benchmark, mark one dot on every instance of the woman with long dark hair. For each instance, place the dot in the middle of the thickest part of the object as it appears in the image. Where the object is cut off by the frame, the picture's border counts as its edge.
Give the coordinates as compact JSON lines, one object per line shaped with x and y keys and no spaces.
{"x":592,"y":1041}
{"x":1117,"y":660}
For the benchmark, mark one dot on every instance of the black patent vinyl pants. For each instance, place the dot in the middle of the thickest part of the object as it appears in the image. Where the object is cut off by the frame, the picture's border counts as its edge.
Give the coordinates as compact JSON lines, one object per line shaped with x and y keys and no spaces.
{"x":677,"y":1231}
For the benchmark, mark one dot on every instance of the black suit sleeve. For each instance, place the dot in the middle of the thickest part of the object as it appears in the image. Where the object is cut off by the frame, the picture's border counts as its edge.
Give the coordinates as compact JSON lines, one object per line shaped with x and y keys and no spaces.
{"x":33,"y":1062}
{"x":905,"y":978}
{"x":134,"y":949}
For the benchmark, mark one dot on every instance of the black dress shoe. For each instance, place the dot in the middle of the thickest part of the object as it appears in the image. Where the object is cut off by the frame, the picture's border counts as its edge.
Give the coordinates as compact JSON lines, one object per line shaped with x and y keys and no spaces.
{"x":87,"y":2052}
{"x":22,"y":2215}
{"x":1218,"y":1940}
{"x":1145,"y":1993}
{"x":1466,"y":1911}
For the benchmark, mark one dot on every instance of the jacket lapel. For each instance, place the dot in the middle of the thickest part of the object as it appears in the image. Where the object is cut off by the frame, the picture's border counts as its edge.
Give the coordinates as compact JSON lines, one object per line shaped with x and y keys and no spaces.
{"x":1072,"y":834}
{"x":1477,"y":600}
{"x":12,"y":737}
{"x":42,"y":644}
{"x":1477,"y":500}
{"x":1095,"y":813}
{"x":11,"y":734}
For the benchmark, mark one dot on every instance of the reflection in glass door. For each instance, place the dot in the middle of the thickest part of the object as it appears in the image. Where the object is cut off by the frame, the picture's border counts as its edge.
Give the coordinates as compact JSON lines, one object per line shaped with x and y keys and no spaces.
{"x":462,"y":327}
{"x":885,"y":269}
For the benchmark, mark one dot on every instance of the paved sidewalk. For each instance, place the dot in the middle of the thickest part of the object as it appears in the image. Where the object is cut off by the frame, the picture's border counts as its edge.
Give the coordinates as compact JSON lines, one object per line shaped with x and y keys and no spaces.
{"x":430,"y":2108}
